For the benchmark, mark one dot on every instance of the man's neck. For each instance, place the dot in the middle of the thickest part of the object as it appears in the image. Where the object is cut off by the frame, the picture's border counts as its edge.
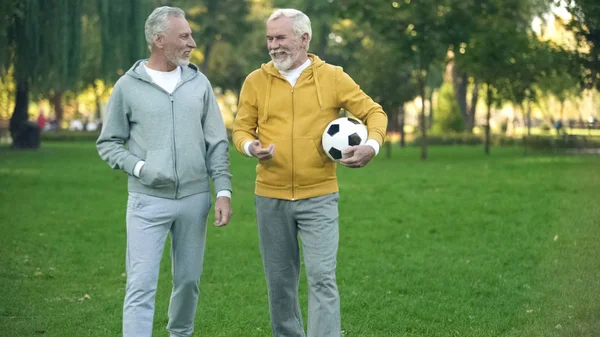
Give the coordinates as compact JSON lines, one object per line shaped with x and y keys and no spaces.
{"x":160,"y":63}
{"x":300,"y":61}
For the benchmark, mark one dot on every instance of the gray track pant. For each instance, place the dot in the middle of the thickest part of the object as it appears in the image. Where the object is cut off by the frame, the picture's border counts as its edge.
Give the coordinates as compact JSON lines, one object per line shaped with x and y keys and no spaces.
{"x":315,"y":220}
{"x":149,"y":221}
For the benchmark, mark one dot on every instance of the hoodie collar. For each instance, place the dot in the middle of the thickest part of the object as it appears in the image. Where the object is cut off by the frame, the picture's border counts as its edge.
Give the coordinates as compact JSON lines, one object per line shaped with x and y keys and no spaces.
{"x":137,"y":71}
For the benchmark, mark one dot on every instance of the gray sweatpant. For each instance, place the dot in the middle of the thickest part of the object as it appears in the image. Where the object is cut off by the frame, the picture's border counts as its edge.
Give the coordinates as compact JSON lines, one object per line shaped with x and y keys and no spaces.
{"x":149,"y":221}
{"x":315,"y":220}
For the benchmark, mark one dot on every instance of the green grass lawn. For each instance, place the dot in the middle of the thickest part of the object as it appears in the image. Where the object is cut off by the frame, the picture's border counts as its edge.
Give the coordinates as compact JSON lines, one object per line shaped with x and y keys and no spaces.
{"x":460,"y":245}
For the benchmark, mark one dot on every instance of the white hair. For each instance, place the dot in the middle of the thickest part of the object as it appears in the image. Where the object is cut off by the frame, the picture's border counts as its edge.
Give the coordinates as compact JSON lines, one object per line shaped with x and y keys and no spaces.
{"x":157,"y":22}
{"x":300,"y":22}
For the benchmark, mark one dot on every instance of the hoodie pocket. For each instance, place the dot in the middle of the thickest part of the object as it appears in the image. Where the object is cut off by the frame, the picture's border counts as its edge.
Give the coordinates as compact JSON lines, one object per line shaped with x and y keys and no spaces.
{"x":312,"y":164}
{"x":158,"y":170}
{"x":276,"y":171}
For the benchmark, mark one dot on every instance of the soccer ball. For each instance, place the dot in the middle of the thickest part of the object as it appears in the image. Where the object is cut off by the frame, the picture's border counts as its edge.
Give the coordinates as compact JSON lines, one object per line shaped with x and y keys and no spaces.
{"x":341,"y":134}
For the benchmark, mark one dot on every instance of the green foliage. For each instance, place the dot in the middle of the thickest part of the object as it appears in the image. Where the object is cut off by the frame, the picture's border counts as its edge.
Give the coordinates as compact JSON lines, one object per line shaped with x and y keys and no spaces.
{"x":563,"y":82}
{"x":7,"y":17}
{"x":122,"y":39}
{"x":586,"y":27}
{"x":448,"y":117}
{"x":44,"y":39}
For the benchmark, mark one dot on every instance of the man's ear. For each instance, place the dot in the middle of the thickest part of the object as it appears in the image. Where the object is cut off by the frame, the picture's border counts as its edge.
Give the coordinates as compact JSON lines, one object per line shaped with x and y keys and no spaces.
{"x":158,"y":40}
{"x":305,"y":39}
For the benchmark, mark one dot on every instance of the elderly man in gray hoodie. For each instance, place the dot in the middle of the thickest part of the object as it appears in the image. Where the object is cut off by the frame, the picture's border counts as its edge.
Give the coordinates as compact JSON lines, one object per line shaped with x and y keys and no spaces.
{"x":164,"y":109}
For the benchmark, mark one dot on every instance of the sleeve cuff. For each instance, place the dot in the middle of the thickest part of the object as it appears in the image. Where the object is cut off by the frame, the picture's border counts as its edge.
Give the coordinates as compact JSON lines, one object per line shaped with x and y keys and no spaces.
{"x":247,"y":149}
{"x":224,"y":193}
{"x":138,"y":168}
{"x":374,"y":144}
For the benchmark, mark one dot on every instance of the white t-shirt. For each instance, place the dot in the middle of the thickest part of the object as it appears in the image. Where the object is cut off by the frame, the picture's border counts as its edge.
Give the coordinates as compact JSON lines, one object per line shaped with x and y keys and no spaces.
{"x":292,"y":75}
{"x":167,"y":80}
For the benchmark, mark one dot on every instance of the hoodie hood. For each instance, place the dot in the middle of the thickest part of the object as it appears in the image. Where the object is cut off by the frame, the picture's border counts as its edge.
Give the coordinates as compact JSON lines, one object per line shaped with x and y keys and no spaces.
{"x":269,"y":68}
{"x":137,"y":71}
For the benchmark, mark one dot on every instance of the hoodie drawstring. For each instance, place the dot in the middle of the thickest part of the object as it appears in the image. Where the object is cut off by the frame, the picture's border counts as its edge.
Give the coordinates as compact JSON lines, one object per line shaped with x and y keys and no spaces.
{"x":266,"y":110}
{"x":318,"y":88}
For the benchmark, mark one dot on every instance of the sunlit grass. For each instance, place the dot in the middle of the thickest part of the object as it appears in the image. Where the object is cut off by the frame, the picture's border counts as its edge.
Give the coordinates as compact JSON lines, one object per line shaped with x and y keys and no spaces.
{"x":460,"y":245}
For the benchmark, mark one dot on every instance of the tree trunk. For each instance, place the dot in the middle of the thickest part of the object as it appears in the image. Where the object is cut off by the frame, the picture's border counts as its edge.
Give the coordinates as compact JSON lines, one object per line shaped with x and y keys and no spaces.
{"x":528,"y":118}
{"x":207,"y":51}
{"x":470,"y":122}
{"x":430,"y":100}
{"x":97,"y":95}
{"x":392,"y":127}
{"x":422,"y":118}
{"x":24,"y":134}
{"x":401,"y":126}
{"x":56,"y":101}
{"x":19,"y":116}
{"x":460,"y":82}
{"x":323,"y":38}
{"x":487,"y":119}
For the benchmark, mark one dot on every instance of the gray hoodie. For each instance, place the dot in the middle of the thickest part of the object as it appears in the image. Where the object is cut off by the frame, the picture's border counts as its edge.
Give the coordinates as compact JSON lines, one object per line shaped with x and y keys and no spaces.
{"x":181,"y":136}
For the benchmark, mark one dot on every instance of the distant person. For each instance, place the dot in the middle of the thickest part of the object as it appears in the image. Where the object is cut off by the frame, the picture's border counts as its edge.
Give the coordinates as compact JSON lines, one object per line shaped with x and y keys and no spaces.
{"x":284,"y":108}
{"x":165,"y":110}
{"x":41,"y":121}
{"x":76,"y":125}
{"x":558,"y":125}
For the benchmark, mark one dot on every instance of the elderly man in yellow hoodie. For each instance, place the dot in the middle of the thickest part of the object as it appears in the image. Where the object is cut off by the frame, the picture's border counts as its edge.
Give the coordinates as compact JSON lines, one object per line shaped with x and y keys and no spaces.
{"x":284,"y":108}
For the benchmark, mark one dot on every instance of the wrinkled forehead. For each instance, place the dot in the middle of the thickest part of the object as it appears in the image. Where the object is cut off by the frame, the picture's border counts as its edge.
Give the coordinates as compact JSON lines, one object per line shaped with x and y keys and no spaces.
{"x":280,"y":26}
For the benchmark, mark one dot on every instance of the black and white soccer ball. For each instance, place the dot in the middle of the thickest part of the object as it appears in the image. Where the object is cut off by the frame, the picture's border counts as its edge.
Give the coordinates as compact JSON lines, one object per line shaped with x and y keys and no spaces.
{"x":341,"y":134}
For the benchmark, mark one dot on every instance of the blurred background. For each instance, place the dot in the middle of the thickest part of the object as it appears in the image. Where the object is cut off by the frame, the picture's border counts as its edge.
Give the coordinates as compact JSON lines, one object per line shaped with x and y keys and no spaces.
{"x":446,"y":71}
{"x":463,"y":244}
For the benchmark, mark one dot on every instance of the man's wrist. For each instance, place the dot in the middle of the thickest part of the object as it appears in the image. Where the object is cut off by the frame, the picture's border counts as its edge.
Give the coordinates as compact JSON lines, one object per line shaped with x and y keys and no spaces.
{"x":224,"y":193}
{"x":137,"y":169}
{"x":247,"y":148}
{"x":374,"y":144}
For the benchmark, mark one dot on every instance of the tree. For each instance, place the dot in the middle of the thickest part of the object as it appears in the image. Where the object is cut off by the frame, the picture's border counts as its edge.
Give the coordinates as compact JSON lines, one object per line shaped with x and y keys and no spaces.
{"x":122,"y":38}
{"x":449,"y":117}
{"x":500,"y":53}
{"x":391,"y":87}
{"x":474,"y":16}
{"x":366,"y":57}
{"x":419,"y":29}
{"x":43,"y":40}
{"x":586,"y":27}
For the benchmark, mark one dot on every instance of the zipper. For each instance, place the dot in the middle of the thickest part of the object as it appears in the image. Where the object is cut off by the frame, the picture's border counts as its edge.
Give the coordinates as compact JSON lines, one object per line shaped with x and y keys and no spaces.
{"x":182,"y":82}
{"x":174,"y":145}
{"x":293,"y":171}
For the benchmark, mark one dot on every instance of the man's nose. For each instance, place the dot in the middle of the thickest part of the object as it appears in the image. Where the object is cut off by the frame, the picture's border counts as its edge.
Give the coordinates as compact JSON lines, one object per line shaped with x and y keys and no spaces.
{"x":192,"y":43}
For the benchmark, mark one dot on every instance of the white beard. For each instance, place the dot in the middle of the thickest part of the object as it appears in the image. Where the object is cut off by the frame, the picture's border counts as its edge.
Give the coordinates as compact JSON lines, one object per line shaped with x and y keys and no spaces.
{"x":183,"y":62}
{"x":284,"y":64}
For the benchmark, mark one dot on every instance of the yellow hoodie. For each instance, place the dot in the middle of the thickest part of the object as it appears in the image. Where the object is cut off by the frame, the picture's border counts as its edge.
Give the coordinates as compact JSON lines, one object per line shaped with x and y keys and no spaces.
{"x":294,"y":120}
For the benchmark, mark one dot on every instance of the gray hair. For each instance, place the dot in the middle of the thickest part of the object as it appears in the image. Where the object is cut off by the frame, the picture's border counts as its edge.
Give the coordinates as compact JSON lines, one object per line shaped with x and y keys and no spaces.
{"x":157,"y":22}
{"x":301,"y":22}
